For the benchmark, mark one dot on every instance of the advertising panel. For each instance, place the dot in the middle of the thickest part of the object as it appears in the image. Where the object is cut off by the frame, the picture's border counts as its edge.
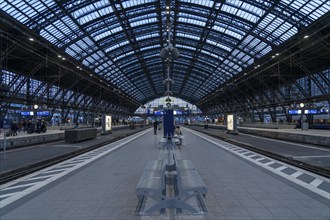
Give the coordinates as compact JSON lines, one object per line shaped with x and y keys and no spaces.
{"x":107,"y":122}
{"x":230,"y":122}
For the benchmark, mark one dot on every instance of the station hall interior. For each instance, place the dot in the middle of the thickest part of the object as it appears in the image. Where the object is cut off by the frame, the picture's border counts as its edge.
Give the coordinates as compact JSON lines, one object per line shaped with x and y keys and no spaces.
{"x":165,"y":109}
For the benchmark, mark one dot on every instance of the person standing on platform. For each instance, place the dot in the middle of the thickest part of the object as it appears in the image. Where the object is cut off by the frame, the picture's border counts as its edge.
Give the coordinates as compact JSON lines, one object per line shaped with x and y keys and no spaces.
{"x":155,"y":126}
{"x":14,"y":128}
{"x":178,"y":133}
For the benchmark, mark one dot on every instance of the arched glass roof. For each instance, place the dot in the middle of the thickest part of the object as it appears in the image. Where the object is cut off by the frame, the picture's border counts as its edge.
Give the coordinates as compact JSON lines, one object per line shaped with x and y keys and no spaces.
{"x":121,"y":40}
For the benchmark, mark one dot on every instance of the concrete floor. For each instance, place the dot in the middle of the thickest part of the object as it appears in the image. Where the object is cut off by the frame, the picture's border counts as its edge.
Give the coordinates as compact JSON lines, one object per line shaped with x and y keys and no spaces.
{"x":101,"y":185}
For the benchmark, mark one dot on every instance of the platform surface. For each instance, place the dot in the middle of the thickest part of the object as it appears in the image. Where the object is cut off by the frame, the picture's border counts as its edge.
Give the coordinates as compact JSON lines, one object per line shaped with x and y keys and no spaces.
{"x":101,"y":184}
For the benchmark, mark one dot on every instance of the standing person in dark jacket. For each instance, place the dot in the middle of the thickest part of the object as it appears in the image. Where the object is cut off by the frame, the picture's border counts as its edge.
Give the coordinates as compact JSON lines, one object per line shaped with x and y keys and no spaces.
{"x":155,"y":126}
{"x":14,"y":128}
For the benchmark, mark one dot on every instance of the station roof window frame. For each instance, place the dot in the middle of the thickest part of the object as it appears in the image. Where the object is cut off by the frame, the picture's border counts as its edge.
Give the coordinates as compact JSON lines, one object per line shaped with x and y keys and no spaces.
{"x":108,"y":36}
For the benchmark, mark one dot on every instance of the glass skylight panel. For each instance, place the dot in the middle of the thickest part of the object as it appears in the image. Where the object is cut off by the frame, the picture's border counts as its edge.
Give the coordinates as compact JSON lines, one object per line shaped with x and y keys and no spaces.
{"x":226,"y":31}
{"x":87,"y":63}
{"x":231,"y":33}
{"x":192,"y":16}
{"x":192,"y":21}
{"x":103,"y":35}
{"x":107,"y":32}
{"x":257,"y":11}
{"x":24,"y":11}
{"x":123,"y":55}
{"x":47,"y":36}
{"x":131,"y":3}
{"x":247,"y":16}
{"x":289,"y":32}
{"x":19,"y":16}
{"x":321,"y":10}
{"x":229,"y":9}
{"x":6,"y":7}
{"x":149,"y":47}
{"x":115,"y":46}
{"x":142,"y":22}
{"x":71,"y":52}
{"x":142,"y":17}
{"x":199,"y":2}
{"x":184,"y":35}
{"x":83,"y":11}
{"x":265,"y":22}
{"x":92,"y":11}
{"x":219,"y":45}
{"x":99,"y":69}
{"x":186,"y":47}
{"x":98,"y":56}
{"x":27,"y":10}
{"x":147,"y":36}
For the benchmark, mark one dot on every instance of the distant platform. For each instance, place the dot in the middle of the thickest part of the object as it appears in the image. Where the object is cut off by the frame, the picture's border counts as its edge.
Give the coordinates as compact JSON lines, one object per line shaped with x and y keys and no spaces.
{"x":53,"y":134}
{"x":310,"y":136}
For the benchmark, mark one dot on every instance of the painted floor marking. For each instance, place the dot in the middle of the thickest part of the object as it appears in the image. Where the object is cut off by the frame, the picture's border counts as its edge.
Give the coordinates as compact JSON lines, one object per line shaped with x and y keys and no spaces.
{"x":316,"y":182}
{"x":261,"y":158}
{"x":269,"y":163}
{"x":19,"y":186}
{"x":296,"y":174}
{"x":292,"y":177}
{"x":6,"y":195}
{"x":281,"y":168}
{"x":37,"y":185}
{"x":39,"y":177}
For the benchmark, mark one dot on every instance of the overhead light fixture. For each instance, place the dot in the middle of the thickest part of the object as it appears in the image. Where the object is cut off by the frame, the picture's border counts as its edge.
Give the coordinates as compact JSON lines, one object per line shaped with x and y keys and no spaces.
{"x":169,"y":51}
{"x":306,"y":36}
{"x":31,"y":39}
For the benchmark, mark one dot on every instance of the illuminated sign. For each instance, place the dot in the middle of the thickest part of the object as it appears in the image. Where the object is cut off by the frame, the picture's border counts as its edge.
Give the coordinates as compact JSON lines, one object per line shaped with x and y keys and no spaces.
{"x":302,"y":111}
{"x":293,"y":112}
{"x":159,"y":112}
{"x":43,"y":113}
{"x":25,"y":113}
{"x":230,"y":122}
{"x":177,"y":112}
{"x":108,"y":122}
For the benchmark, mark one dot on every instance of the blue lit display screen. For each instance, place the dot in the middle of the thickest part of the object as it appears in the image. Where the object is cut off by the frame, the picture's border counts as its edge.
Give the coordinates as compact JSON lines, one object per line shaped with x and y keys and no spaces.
{"x":177,"y":112}
{"x":310,"y":111}
{"x":294,"y":112}
{"x":43,"y":113}
{"x":26,"y":113}
{"x":159,"y":113}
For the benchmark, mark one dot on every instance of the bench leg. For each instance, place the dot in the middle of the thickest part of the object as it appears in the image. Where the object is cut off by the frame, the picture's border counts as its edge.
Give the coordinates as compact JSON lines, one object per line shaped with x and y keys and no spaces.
{"x":171,"y":203}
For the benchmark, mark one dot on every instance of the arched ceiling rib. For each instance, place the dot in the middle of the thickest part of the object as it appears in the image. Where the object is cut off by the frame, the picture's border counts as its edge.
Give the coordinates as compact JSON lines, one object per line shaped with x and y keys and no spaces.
{"x":121,"y":40}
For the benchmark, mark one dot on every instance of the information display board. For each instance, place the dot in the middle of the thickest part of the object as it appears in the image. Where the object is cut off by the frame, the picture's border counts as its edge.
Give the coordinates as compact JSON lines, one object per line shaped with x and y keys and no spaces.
{"x":106,"y":123}
{"x":232,"y":123}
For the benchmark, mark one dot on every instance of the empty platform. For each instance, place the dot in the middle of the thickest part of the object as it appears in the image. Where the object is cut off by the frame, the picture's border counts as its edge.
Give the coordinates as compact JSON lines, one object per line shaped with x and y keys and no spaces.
{"x":101,"y":184}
